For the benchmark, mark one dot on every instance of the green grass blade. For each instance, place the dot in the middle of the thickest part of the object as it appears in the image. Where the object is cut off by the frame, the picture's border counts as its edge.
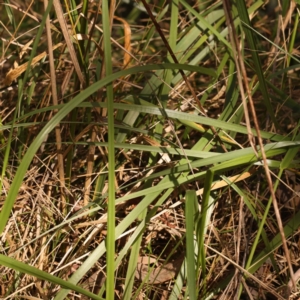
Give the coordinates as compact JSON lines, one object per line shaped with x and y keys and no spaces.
{"x":150,"y":195}
{"x":206,"y":25}
{"x":290,"y":154}
{"x":26,"y":269}
{"x":110,"y":242}
{"x":203,"y":223}
{"x":243,"y":15}
{"x":9,"y":202}
{"x":134,"y":255}
{"x":190,"y":198}
{"x":276,"y":242}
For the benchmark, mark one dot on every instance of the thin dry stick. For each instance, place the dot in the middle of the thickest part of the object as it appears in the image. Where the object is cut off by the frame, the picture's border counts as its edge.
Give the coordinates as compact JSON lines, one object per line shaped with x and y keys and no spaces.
{"x":89,"y":168}
{"x":180,"y":71}
{"x":90,"y":160}
{"x":243,"y":74}
{"x":238,"y":242}
{"x":234,"y":41}
{"x":64,"y":28}
{"x":112,"y":9}
{"x":254,"y":278}
{"x":60,"y":158}
{"x":92,"y":148}
{"x":246,"y":289}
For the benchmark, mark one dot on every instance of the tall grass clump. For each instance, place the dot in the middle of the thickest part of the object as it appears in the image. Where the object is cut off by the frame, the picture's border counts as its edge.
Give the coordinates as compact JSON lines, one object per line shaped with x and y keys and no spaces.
{"x":149,"y":150}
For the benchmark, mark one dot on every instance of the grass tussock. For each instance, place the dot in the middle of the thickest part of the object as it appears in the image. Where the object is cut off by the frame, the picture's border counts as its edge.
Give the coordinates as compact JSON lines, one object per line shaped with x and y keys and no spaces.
{"x":149,"y":151}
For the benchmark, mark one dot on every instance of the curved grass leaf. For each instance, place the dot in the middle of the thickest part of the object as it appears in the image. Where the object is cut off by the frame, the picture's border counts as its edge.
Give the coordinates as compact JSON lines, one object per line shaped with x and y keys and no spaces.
{"x":9,"y":202}
{"x":29,"y":270}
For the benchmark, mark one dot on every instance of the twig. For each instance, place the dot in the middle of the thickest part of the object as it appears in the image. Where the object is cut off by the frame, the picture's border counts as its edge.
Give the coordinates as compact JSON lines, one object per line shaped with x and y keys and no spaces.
{"x":242,"y":74}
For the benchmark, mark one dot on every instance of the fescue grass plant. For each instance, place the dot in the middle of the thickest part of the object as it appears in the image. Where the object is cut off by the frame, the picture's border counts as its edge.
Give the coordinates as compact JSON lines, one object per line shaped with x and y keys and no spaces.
{"x":149,"y":150}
